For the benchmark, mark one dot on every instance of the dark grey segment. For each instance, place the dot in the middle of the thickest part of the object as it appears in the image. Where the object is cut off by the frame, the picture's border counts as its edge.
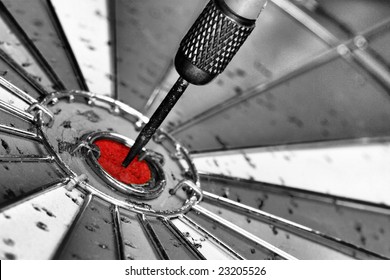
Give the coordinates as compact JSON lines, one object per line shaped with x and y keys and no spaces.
{"x":294,"y":239}
{"x":11,"y":145}
{"x":35,"y":57}
{"x":246,"y":248}
{"x":277,"y":44}
{"x":18,"y":179}
{"x":137,"y":244}
{"x":175,"y":248}
{"x":363,"y":224}
{"x":336,"y":102}
{"x":93,"y":237}
{"x":13,"y":121}
{"x":380,"y":45}
{"x":148,"y":34}
{"x":38,"y":20}
{"x":15,"y":74}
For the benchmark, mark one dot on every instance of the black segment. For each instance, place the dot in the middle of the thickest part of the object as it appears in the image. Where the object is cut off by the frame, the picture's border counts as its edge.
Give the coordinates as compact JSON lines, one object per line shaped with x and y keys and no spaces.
{"x":342,"y":103}
{"x":246,"y":248}
{"x":15,"y":74}
{"x":137,"y":244}
{"x":175,"y":248}
{"x":18,"y":179}
{"x":39,"y":21}
{"x":94,"y":236}
{"x":10,"y":120}
{"x":147,"y":37}
{"x":302,"y":243}
{"x":341,"y":218}
{"x":55,"y":82}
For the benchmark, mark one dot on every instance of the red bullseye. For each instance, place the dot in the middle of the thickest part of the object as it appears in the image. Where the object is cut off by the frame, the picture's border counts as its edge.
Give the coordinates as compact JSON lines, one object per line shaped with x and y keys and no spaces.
{"x":112,"y":154}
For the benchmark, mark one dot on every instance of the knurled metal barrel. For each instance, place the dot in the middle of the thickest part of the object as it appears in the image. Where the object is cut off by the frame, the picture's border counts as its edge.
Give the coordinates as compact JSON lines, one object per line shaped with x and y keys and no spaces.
{"x":212,"y":42}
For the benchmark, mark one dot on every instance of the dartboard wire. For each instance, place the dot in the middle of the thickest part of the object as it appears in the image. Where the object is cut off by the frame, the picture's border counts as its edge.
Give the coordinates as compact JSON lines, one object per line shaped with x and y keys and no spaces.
{"x":295,"y":228}
{"x":16,"y":112}
{"x":116,"y":216}
{"x":243,"y":233}
{"x":153,"y":237}
{"x":182,"y":239}
{"x":23,"y":37}
{"x":26,"y":158}
{"x":111,"y":6}
{"x":215,"y":240}
{"x":67,"y":47}
{"x":23,"y":73}
{"x":17,"y":92}
{"x":19,"y":132}
{"x":77,"y":220}
{"x":33,"y":194}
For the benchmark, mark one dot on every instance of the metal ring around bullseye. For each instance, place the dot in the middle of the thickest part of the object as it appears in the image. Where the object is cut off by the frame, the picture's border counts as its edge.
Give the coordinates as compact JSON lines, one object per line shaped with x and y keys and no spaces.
{"x":149,"y":190}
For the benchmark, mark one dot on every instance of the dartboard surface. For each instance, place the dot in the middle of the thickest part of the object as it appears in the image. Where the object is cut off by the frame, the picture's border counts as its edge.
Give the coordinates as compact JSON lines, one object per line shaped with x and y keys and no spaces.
{"x":283,"y":156}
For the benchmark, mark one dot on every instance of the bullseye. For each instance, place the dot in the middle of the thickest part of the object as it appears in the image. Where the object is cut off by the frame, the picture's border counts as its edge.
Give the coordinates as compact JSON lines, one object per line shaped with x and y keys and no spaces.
{"x":112,"y":153}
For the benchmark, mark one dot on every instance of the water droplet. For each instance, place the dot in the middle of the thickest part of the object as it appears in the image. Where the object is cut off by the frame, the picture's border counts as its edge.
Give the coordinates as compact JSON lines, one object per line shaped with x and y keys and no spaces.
{"x":125,"y":220}
{"x":75,"y":256}
{"x":358,"y":227}
{"x":253,"y":251}
{"x":8,"y":242}
{"x":103,"y":246}
{"x":10,"y":256}
{"x":90,"y":228}
{"x":130,"y":244}
{"x":49,"y":213}
{"x":274,"y":230}
{"x":42,"y":226}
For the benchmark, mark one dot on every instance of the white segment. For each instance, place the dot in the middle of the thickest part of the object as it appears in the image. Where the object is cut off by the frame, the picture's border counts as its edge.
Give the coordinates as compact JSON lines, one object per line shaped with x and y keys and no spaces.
{"x":359,"y":171}
{"x":207,"y":248}
{"x":20,"y":234}
{"x":87,"y":28}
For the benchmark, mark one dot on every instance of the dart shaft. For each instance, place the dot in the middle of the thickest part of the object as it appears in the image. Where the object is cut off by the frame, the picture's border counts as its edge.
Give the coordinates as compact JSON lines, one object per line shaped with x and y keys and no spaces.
{"x":157,"y":118}
{"x":205,"y":51}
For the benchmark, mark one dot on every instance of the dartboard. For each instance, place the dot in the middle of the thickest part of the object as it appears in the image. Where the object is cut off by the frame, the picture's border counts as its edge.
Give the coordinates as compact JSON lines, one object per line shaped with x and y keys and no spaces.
{"x":282,"y":156}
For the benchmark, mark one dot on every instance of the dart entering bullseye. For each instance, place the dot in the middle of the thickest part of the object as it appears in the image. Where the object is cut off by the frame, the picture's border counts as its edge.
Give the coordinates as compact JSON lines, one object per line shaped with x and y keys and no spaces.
{"x":112,"y":154}
{"x":205,"y":51}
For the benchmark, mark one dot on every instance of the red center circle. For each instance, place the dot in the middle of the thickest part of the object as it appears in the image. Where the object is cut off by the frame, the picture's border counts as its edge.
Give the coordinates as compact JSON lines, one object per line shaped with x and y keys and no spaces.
{"x":112,"y":154}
